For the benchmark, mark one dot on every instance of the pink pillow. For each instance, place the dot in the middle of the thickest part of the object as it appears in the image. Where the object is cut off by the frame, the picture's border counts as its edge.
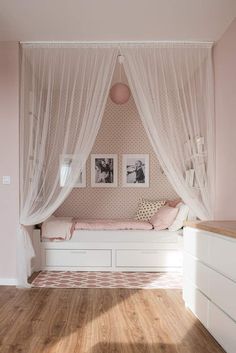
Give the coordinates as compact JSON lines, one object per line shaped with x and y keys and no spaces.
{"x":164,"y":217}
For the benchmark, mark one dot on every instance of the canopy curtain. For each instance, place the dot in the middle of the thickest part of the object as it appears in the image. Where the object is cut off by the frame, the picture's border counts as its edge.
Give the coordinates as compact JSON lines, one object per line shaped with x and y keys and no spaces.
{"x":64,"y":89}
{"x":172,"y":85}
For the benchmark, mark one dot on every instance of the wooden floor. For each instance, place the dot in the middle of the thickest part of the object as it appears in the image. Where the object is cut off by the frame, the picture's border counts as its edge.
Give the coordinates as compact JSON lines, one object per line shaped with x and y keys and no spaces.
{"x":99,"y":321}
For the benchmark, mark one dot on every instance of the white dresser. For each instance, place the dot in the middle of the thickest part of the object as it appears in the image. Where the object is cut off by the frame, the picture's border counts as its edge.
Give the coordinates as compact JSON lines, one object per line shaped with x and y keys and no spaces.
{"x":210,"y":278}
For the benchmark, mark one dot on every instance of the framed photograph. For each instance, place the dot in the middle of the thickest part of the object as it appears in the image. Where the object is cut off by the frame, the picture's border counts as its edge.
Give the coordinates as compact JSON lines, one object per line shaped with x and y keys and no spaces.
{"x":104,"y":170}
{"x":188,"y":150}
{"x":189,"y":177}
{"x":65,"y":169}
{"x":135,"y":170}
{"x":200,"y":144}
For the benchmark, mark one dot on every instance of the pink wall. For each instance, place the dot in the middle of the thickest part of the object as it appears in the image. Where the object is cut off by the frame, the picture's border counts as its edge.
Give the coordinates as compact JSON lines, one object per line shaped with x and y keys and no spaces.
{"x":121,"y":132}
{"x":225,"y":90}
{"x":9,"y":157}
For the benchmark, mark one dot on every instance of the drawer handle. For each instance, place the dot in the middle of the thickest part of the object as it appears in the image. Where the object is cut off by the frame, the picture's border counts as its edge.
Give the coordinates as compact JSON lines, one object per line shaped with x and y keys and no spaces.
{"x":78,"y":252}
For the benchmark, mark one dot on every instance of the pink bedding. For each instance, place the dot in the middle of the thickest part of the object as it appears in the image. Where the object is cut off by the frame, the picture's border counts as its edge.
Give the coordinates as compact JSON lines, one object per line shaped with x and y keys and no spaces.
{"x":112,"y":224}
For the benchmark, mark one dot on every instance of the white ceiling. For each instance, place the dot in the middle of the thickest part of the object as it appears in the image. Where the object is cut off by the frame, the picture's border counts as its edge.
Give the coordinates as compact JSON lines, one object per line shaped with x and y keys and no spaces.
{"x":115,"y":20}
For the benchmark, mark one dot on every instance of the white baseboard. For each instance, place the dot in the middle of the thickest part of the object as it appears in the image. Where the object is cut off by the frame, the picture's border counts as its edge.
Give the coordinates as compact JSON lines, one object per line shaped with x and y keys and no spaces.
{"x":8,"y":281}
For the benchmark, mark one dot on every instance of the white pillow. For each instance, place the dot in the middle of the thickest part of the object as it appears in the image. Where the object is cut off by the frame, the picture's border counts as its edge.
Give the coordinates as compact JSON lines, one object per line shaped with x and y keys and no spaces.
{"x":180,"y":218}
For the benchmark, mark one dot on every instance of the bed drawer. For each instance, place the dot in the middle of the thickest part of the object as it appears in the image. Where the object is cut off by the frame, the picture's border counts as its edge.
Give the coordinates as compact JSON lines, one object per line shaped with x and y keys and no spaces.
{"x":78,"y":258}
{"x":148,"y":258}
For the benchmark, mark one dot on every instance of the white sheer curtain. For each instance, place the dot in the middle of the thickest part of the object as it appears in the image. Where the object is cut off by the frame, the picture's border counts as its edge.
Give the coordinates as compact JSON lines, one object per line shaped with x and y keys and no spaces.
{"x":172,"y":85}
{"x":64,"y":90}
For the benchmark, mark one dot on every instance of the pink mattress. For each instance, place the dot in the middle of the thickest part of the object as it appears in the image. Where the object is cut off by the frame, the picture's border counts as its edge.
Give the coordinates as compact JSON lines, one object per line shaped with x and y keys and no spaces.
{"x":112,"y":224}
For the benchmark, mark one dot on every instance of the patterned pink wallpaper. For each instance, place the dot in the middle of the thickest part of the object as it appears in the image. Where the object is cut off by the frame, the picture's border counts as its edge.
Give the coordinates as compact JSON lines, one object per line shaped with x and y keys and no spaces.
{"x":121,"y":132}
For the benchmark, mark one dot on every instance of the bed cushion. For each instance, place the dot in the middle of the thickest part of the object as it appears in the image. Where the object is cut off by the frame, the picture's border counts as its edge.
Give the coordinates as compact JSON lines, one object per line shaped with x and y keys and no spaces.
{"x":164,"y":217}
{"x":147,"y":208}
{"x":112,"y":224}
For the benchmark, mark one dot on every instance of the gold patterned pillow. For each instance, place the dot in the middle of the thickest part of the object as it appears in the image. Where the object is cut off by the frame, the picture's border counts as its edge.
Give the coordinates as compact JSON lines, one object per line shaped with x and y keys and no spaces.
{"x":147,"y":208}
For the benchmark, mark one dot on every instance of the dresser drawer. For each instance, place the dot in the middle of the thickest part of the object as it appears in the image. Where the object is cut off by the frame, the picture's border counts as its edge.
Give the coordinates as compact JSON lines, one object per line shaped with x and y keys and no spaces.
{"x":212,"y":249}
{"x":78,"y":258}
{"x":196,"y":273}
{"x":196,"y":301}
{"x":148,"y":258}
{"x":220,"y":290}
{"x":223,"y":328}
{"x":196,"y":243}
{"x":222,"y":256}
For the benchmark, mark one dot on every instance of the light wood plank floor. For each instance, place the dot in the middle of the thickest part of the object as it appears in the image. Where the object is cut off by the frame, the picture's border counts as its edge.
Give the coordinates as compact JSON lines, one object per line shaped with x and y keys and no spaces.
{"x":99,"y":321}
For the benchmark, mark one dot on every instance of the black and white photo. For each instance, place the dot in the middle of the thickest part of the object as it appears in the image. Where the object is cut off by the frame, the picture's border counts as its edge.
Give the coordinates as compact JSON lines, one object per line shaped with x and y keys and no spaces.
{"x":135,"y":171}
{"x":104,"y":170}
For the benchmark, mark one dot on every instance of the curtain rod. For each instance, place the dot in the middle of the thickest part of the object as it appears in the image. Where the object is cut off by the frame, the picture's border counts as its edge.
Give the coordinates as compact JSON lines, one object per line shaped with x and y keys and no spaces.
{"x":119,"y":42}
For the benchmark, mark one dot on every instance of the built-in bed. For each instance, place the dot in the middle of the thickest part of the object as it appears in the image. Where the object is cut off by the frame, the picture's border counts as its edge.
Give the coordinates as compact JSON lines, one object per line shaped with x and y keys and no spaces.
{"x":112,"y":250}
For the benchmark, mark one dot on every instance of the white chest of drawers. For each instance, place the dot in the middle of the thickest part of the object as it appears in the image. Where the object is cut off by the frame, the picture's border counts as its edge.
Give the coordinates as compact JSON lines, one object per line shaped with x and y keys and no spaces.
{"x":210,"y":283}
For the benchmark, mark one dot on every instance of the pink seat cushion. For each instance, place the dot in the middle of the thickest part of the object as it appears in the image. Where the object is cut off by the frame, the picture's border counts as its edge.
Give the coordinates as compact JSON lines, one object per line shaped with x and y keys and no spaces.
{"x":164,"y":217}
{"x":112,"y":224}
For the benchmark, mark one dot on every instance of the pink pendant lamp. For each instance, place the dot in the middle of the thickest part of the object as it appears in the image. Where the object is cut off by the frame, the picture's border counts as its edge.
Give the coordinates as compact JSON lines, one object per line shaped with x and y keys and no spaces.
{"x":120,"y":92}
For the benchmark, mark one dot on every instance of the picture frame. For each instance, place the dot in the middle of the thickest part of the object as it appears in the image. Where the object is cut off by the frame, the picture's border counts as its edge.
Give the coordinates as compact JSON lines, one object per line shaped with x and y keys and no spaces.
{"x":188,"y":151}
{"x":65,"y":165}
{"x":104,"y":170}
{"x":135,"y":170}
{"x":200,"y":144}
{"x":189,"y":177}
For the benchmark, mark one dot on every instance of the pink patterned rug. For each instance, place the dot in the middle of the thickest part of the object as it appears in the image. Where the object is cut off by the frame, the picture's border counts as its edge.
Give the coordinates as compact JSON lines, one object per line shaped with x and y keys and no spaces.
{"x":71,"y":279}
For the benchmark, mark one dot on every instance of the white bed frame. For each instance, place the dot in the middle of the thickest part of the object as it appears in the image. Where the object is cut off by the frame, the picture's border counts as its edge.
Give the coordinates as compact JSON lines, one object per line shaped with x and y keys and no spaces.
{"x":114,"y":250}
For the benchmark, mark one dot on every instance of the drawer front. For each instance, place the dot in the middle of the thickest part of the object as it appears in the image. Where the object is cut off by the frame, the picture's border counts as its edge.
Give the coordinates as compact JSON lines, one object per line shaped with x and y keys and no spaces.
{"x":148,"y":258}
{"x":196,"y":301}
{"x":78,"y":258}
{"x":220,"y":290}
{"x":214,"y":250}
{"x":196,"y":243}
{"x":197,"y":273}
{"x":222,"y":257}
{"x":222,"y":328}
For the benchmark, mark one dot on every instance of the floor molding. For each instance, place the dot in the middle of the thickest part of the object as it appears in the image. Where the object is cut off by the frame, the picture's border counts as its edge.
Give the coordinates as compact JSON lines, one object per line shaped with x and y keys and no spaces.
{"x":8,"y":281}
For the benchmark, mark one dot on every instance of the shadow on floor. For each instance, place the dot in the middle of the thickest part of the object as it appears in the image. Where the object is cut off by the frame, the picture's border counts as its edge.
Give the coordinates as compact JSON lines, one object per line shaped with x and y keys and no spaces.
{"x":113,"y":347}
{"x":98,"y":321}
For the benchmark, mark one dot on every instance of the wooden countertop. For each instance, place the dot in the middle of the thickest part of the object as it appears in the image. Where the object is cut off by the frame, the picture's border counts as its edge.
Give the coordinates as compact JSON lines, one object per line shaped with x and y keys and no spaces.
{"x":227,"y":228}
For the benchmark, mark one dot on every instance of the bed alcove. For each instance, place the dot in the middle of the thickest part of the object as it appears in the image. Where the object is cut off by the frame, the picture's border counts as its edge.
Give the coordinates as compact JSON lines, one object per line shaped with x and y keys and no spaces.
{"x":121,"y":132}
{"x":164,"y":80}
